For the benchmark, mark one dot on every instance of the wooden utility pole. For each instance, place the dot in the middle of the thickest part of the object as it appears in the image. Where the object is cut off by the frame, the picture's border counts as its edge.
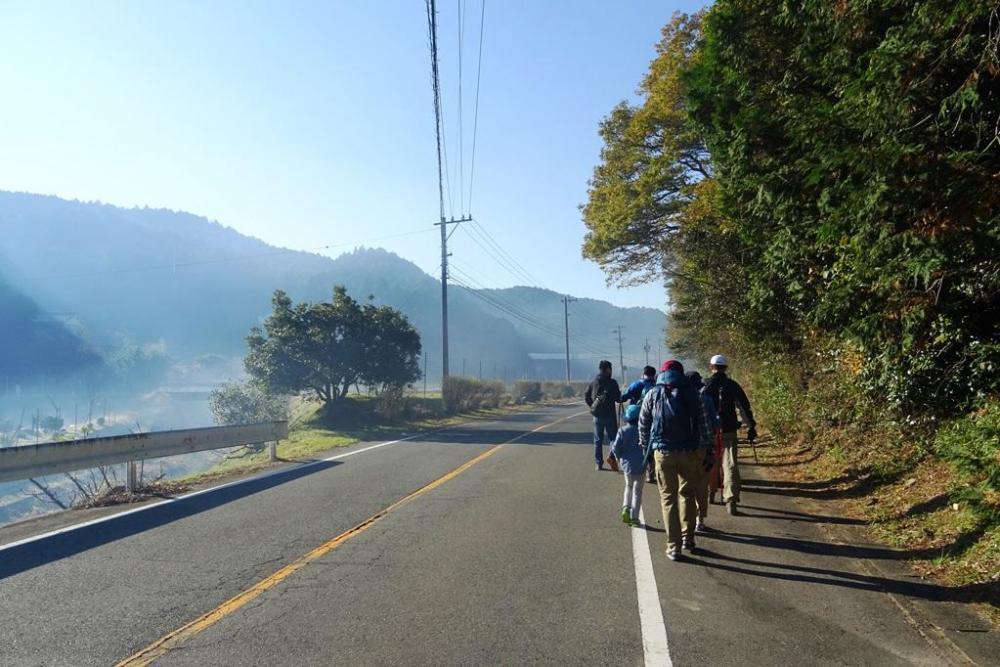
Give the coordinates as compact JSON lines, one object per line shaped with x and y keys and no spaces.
{"x":566,"y":301}
{"x":621,"y":354}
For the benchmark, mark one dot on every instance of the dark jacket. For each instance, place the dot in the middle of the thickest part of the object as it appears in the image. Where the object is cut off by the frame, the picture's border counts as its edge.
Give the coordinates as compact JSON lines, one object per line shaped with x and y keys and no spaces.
{"x":727,"y":395}
{"x":607,"y":406}
{"x":653,"y":412}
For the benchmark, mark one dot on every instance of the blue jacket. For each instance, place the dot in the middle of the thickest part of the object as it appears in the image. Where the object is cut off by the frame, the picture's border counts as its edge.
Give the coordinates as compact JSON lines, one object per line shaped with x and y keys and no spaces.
{"x":635,"y":390}
{"x":652,"y":413}
{"x":631,"y":456}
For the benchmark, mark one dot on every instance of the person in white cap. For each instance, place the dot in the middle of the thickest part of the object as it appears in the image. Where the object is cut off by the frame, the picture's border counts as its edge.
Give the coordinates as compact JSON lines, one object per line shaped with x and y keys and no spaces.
{"x":728,"y":397}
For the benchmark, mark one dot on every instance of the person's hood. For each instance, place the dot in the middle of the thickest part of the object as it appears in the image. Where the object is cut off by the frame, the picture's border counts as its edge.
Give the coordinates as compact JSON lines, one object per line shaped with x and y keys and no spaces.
{"x":672,"y":377}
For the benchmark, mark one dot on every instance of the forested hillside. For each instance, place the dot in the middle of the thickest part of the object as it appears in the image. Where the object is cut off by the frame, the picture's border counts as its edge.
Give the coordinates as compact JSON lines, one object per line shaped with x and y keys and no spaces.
{"x":820,"y":183}
{"x":143,"y":276}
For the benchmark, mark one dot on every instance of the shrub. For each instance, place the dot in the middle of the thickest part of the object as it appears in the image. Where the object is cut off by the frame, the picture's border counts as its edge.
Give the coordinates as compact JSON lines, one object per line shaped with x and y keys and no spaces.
{"x":392,"y":404}
{"x":558,"y":390}
{"x":463,"y":394}
{"x":972,"y":444}
{"x":528,"y":391}
{"x":246,"y":403}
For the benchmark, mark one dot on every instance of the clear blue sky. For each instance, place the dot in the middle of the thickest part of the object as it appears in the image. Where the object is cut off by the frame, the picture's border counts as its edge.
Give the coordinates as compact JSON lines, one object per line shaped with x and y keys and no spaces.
{"x":310,"y":123}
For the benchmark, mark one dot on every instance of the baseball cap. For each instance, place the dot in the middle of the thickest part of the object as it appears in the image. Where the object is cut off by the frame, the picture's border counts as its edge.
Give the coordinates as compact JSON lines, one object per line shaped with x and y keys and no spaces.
{"x":672,"y":365}
{"x":719,"y":360}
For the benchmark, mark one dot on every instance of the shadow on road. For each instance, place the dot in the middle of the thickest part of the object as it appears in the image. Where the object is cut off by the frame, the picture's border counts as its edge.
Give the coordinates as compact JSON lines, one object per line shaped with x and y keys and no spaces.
{"x":77,"y":540}
{"x":786,"y":515}
{"x":831,"y":577}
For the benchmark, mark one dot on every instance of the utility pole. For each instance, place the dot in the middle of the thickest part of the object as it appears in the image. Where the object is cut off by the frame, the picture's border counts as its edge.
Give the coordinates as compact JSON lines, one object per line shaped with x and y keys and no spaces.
{"x":566,"y":301}
{"x":621,"y":354}
{"x":646,"y":348}
{"x":435,"y":75}
{"x":425,"y":375}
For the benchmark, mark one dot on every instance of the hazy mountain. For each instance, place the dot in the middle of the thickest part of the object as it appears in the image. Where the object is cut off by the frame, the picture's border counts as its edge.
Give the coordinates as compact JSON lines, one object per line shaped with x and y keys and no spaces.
{"x":31,"y":343}
{"x":148,"y":275}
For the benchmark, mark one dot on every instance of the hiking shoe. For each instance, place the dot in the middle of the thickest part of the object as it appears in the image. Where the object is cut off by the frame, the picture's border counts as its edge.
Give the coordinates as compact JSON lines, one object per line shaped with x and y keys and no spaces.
{"x":651,"y":479}
{"x":713,"y":499}
{"x":731,"y":508}
{"x":599,"y":467}
{"x":688,"y":545}
{"x":626,"y":515}
{"x":635,"y":523}
{"x":674,"y":554}
{"x":699,"y":525}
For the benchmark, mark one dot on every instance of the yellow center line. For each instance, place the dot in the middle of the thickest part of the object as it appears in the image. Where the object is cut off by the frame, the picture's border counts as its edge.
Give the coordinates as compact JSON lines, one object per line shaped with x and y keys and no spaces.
{"x":172,"y":640}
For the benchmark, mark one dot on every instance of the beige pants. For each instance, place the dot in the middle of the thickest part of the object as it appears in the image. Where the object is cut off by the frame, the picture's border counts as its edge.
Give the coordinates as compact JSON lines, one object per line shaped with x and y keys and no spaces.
{"x":701,"y":496}
{"x":730,"y":468}
{"x":678,"y":476}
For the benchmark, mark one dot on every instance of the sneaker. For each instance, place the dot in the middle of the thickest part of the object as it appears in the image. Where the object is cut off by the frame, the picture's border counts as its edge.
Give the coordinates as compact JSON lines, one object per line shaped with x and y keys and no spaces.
{"x":688,"y":545}
{"x":651,"y":479}
{"x":626,"y":515}
{"x":635,"y":523}
{"x":599,"y":467}
{"x":713,"y":499}
{"x":731,"y":508}
{"x":674,"y":554}
{"x":699,"y":526}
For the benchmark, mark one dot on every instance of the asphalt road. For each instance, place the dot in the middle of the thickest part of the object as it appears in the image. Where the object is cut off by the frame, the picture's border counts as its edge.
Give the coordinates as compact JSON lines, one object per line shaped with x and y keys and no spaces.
{"x":516,"y":557}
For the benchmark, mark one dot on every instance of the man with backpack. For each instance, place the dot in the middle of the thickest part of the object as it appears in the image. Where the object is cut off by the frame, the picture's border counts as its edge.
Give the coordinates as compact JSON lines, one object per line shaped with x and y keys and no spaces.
{"x":602,"y":397}
{"x":728,"y":397}
{"x":674,"y":427}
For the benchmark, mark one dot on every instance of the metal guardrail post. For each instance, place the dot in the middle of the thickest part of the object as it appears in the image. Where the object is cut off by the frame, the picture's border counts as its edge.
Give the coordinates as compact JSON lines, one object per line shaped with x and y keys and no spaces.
{"x":272,"y":450}
{"x":40,"y":459}
{"x":131,"y":477}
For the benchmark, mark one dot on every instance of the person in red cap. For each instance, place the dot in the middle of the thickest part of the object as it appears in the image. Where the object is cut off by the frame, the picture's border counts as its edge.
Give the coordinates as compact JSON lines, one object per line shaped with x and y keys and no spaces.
{"x":674,"y":427}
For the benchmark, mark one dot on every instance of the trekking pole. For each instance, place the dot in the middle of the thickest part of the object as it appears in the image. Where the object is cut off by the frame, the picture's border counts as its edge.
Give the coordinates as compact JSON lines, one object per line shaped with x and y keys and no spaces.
{"x":754,"y":448}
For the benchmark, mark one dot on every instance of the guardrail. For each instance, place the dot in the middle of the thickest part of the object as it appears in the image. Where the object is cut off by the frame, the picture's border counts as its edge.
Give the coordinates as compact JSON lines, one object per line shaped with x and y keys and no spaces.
{"x":25,"y":461}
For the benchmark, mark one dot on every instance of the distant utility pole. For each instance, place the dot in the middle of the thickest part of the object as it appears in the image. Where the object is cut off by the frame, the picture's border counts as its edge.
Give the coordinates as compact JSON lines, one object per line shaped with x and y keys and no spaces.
{"x":435,"y":76}
{"x":621,"y":354}
{"x":646,"y":348}
{"x":566,"y":301}
{"x":425,"y":375}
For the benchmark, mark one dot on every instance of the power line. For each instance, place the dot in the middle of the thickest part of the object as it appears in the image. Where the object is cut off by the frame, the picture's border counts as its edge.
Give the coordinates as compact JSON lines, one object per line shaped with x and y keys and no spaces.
{"x":461,"y":115}
{"x":504,"y":264}
{"x":436,"y":84}
{"x":592,"y":343}
{"x":501,"y":304}
{"x":475,"y":115}
{"x":485,"y":232}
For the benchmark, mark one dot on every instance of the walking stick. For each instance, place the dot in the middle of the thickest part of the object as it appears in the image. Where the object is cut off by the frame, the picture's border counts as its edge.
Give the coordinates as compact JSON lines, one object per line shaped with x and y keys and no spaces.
{"x":754,"y":448}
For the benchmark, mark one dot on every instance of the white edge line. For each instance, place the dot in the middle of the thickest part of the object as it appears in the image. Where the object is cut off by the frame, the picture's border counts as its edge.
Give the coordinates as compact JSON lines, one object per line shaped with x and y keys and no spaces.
{"x":212,"y":489}
{"x":654,"y":631}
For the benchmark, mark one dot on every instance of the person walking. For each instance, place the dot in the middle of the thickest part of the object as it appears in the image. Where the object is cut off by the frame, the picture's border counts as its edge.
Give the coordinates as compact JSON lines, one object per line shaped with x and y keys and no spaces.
{"x":634,"y":392}
{"x":674,"y":426}
{"x":701,"y":497}
{"x":602,"y":397}
{"x":634,"y":395}
{"x":728,"y":397}
{"x":631,"y":457}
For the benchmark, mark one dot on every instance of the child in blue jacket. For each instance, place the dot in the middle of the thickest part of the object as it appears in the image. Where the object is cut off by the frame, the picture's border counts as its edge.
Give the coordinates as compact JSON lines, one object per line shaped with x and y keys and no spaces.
{"x":631,"y":459}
